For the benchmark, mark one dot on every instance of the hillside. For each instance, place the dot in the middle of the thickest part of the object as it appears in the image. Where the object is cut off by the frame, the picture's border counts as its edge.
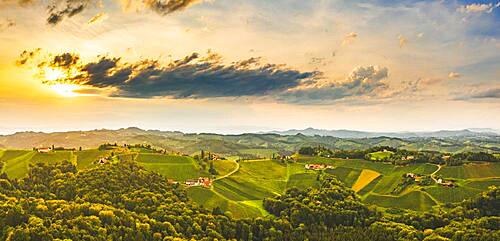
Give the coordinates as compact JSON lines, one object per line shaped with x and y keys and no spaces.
{"x":123,"y":201}
{"x":189,"y":143}
{"x":364,"y":134}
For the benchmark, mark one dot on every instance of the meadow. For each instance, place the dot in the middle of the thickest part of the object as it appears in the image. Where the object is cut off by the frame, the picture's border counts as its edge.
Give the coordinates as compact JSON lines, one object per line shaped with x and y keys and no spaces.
{"x":178,"y":168}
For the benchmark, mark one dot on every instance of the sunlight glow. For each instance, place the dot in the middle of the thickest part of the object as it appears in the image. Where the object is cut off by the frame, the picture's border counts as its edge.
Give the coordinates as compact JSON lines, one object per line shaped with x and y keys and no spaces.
{"x":66,"y":90}
{"x":51,"y":74}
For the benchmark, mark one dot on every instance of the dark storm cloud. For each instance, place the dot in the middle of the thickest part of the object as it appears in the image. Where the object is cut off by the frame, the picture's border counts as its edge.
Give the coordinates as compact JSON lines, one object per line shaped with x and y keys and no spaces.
{"x":193,"y":76}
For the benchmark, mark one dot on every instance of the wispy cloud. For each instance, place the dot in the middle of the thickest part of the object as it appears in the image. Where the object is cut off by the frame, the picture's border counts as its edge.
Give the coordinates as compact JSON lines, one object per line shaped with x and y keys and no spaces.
{"x":478,"y":8}
{"x":58,"y":10}
{"x":487,"y":93}
{"x":7,"y":23}
{"x":362,"y":81}
{"x":98,"y":18}
{"x":453,"y":75}
{"x":349,"y":38}
{"x":402,"y":41}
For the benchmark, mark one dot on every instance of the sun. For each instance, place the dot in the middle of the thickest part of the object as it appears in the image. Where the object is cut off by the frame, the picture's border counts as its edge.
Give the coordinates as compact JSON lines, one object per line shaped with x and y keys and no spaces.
{"x":66,"y":90}
{"x":51,"y":74}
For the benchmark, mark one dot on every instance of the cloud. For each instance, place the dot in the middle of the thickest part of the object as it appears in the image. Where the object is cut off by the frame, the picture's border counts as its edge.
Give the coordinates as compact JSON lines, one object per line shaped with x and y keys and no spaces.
{"x":478,"y":8}
{"x":7,"y":23}
{"x":98,"y":18}
{"x":453,"y":75}
{"x":362,"y":81}
{"x":193,"y":76}
{"x":489,"y":93}
{"x":58,"y":10}
{"x":204,"y":76}
{"x":402,"y":41}
{"x":163,"y":7}
{"x":349,"y":38}
{"x":26,"y":56}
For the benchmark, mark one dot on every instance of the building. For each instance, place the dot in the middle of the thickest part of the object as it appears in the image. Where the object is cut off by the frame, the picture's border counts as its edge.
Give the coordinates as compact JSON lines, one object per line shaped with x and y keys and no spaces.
{"x":411,"y":175}
{"x":44,"y":149}
{"x":317,"y":166}
{"x":408,"y":158}
{"x":201,"y":181}
{"x":103,"y":160}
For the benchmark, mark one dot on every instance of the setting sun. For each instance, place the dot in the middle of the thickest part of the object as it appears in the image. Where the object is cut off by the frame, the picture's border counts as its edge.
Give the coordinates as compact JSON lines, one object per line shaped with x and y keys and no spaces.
{"x":51,"y":74}
{"x":66,"y":90}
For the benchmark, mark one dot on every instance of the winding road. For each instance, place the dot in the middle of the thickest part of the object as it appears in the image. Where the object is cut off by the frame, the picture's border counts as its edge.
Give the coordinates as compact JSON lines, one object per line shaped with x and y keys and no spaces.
{"x":433,"y":175}
{"x":230,"y":173}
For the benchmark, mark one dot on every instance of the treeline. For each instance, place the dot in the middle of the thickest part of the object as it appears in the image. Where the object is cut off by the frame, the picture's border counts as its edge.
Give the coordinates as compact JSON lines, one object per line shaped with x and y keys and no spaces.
{"x":123,"y":201}
{"x":402,"y":157}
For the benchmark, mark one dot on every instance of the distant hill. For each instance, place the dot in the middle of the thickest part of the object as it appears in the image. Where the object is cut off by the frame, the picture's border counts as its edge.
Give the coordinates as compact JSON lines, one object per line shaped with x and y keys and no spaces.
{"x":364,"y":134}
{"x":279,"y":142}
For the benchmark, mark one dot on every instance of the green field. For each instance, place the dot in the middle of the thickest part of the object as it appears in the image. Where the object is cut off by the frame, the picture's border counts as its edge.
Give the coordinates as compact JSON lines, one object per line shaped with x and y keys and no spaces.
{"x":380,"y":155}
{"x":224,"y":167}
{"x":473,"y":170}
{"x":17,"y":161}
{"x":175,"y":167}
{"x":87,"y":158}
{"x":262,"y":153}
{"x":345,"y":174}
{"x":415,"y":200}
{"x":450,"y":195}
{"x":483,"y":184}
{"x":210,"y":199}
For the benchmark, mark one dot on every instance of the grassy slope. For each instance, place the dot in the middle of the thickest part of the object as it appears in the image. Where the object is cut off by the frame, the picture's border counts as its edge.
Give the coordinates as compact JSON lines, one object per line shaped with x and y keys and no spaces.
{"x":176,"y":167}
{"x":379,"y":155}
{"x":414,"y":200}
{"x":224,"y":167}
{"x":471,"y":171}
{"x":210,"y":199}
{"x":87,"y":158}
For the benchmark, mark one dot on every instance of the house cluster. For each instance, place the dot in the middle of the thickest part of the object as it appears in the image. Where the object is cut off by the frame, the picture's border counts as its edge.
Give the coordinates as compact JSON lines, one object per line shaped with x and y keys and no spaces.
{"x":201,"y":181}
{"x":408,"y":158}
{"x":44,"y":149}
{"x":317,"y":166}
{"x":445,"y":183}
{"x":414,"y":176}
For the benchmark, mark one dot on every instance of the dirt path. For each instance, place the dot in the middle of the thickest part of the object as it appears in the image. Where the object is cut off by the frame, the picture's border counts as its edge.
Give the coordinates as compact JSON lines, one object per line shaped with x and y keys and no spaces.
{"x":230,"y":173}
{"x":433,"y":175}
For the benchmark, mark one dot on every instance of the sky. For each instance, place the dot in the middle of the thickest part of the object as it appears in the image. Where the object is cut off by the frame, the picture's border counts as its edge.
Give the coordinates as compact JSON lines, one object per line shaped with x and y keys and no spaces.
{"x":234,"y":66}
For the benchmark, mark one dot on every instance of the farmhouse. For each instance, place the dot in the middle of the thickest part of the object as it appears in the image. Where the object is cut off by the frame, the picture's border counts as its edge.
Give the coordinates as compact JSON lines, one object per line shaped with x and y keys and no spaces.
{"x":201,"y":181}
{"x":408,"y":158}
{"x":103,"y":160}
{"x":317,"y":166}
{"x":411,"y":175}
{"x":44,"y":149}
